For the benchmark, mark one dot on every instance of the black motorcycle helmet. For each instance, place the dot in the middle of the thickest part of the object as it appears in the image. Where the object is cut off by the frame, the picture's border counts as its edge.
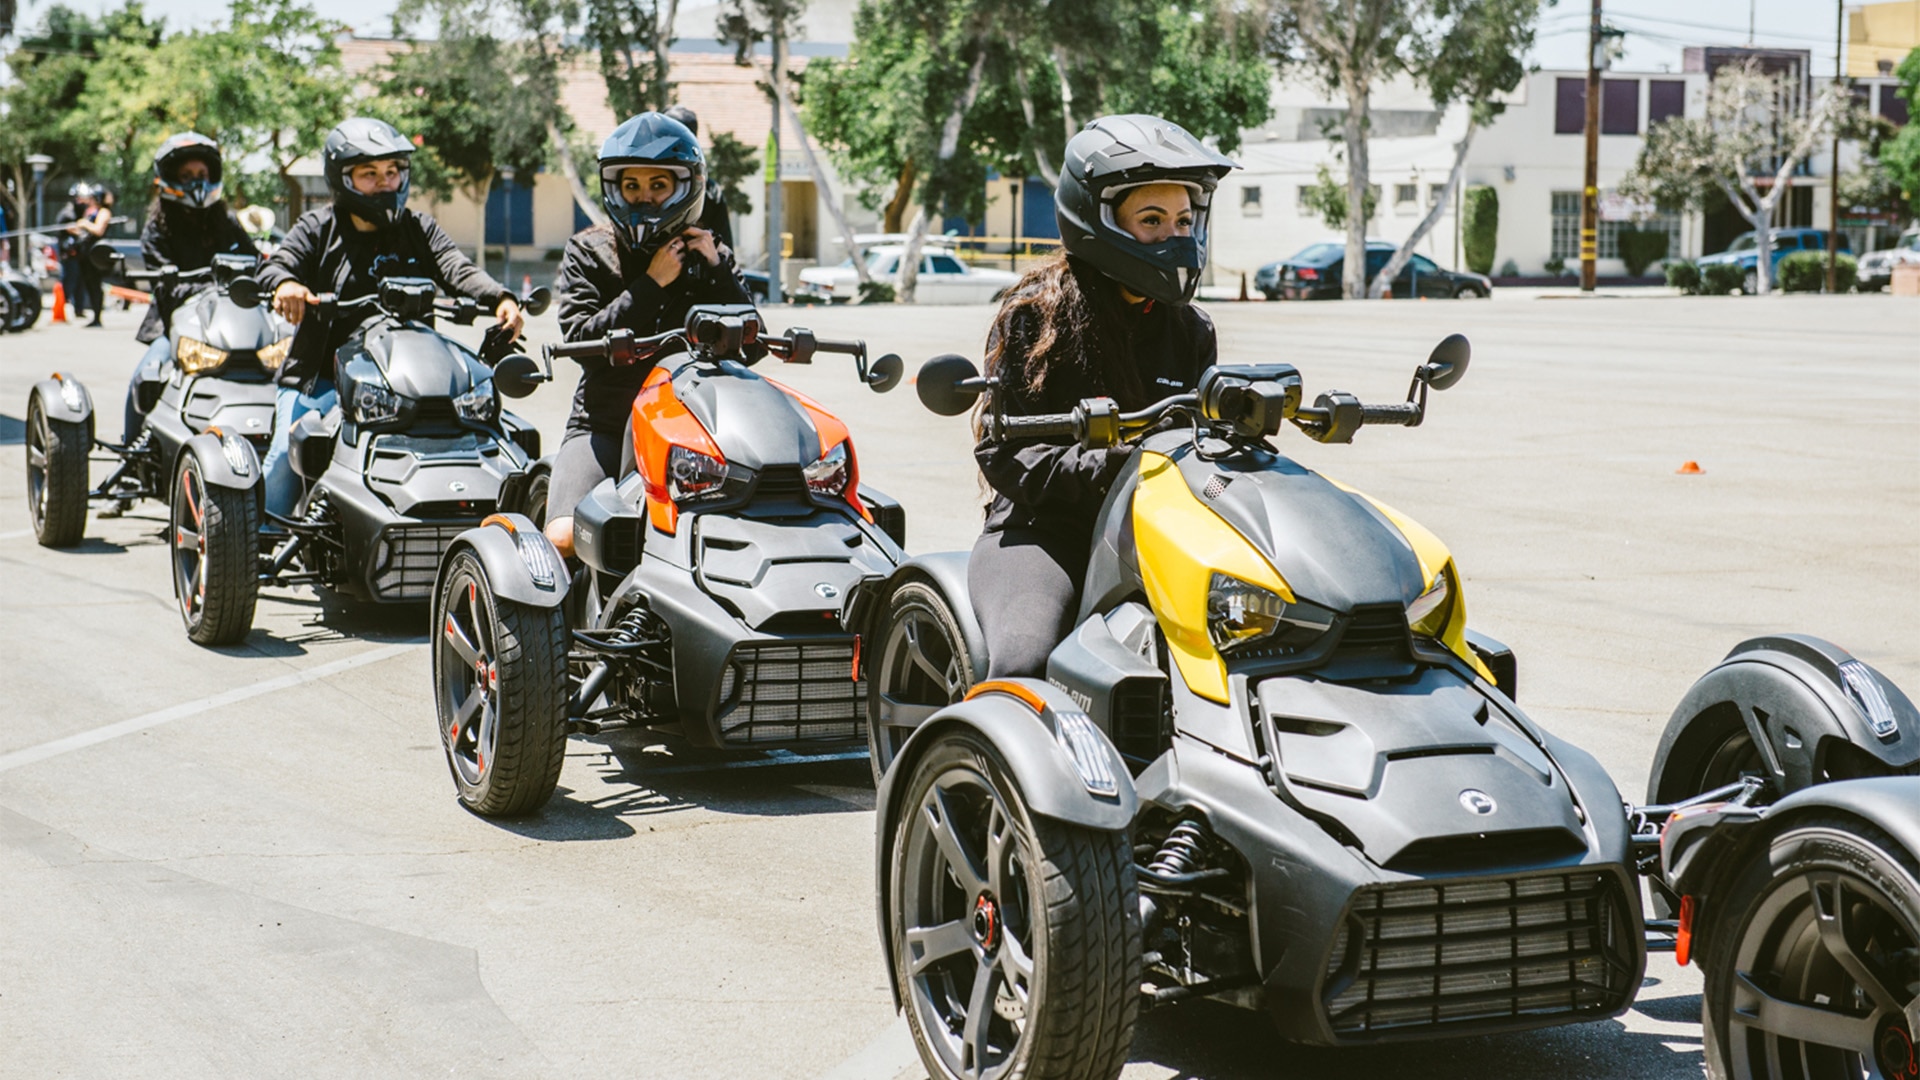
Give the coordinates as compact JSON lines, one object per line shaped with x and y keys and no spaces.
{"x":361,"y":139}
{"x":1110,"y":156}
{"x":658,"y":142}
{"x":177,"y":151}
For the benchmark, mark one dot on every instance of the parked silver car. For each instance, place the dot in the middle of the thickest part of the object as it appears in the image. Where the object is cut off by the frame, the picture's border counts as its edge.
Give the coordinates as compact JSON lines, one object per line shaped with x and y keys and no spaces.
{"x":1876,"y":267}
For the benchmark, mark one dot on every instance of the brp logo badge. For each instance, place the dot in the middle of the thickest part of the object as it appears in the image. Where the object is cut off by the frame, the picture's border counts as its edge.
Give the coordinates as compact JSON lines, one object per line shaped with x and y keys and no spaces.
{"x":1478,"y":802}
{"x":456,"y":486}
{"x":826,"y":591}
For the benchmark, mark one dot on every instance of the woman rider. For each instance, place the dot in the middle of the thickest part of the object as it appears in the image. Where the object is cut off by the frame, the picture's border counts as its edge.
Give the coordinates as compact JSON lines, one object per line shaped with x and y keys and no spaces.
{"x":188,"y":224}
{"x":641,"y":271}
{"x":346,"y":248}
{"x":1111,"y":316}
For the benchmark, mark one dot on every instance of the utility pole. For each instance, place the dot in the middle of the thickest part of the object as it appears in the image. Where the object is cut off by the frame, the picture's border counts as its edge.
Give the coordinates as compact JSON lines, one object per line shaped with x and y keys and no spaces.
{"x":1833,"y":182}
{"x":1590,"y":191}
{"x":778,"y":40}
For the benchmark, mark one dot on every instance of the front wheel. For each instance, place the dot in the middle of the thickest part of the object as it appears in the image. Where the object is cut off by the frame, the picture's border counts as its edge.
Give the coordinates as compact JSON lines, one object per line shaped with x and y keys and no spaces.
{"x":922,"y":666}
{"x":1814,"y":972}
{"x":1016,"y":939}
{"x":56,"y":477}
{"x":215,"y":553}
{"x":500,"y":682}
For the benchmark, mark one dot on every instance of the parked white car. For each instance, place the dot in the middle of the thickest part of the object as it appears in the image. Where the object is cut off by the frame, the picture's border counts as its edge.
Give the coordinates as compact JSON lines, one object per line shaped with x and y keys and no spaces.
{"x":944,"y":279}
{"x":1876,"y":267}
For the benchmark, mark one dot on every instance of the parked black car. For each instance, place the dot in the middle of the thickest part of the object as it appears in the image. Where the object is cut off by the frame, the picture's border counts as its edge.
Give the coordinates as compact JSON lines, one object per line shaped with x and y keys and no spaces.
{"x":1314,"y":273}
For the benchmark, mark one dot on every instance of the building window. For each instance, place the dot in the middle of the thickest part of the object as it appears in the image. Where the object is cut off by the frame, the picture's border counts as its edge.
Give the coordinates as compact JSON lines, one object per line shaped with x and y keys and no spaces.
{"x":1569,"y":106}
{"x":1435,"y":192}
{"x":1305,"y":196}
{"x":1250,"y":201}
{"x":1666,"y":98}
{"x":1405,"y":195}
{"x":1620,"y":107}
{"x":1566,"y":230}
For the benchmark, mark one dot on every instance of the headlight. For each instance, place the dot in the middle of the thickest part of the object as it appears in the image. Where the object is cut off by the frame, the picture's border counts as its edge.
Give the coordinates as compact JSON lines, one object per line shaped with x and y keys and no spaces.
{"x":692,"y":475}
{"x":275,"y":354}
{"x":1428,"y":613}
{"x":195,"y":357}
{"x":477,"y":404}
{"x":238,"y":454}
{"x":374,"y":402}
{"x":828,"y":476}
{"x":1240,"y":614}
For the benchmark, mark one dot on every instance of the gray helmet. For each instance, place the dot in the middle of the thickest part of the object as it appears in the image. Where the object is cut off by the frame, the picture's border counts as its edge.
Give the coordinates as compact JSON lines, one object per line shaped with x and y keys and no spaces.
{"x":1112,"y":155}
{"x":658,"y":142}
{"x":177,"y":151}
{"x":359,"y":139}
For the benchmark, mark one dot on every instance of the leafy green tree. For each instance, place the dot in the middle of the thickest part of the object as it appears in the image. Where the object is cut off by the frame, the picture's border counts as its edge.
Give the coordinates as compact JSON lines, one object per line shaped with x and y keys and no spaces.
{"x":731,"y":162}
{"x":633,"y":38}
{"x":1900,"y":156}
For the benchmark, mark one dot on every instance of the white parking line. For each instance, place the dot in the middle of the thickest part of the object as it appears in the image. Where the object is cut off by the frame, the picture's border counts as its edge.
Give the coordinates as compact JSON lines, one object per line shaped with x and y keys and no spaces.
{"x":98,"y":735}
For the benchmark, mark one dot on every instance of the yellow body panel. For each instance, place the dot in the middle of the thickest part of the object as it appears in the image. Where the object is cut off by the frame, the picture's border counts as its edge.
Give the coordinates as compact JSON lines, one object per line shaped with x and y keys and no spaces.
{"x":1182,"y":543}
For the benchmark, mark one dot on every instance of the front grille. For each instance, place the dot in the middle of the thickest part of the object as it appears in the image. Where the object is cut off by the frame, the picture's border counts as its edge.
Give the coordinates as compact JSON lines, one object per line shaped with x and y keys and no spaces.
{"x":1375,"y":628}
{"x":405,"y":569}
{"x":434,"y":416}
{"x":791,"y":692}
{"x":781,"y":482}
{"x":1481,"y":954}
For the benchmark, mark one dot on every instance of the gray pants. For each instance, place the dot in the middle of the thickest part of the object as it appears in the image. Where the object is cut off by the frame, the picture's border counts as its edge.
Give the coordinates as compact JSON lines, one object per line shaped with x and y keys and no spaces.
{"x":1025,"y":586}
{"x":585,"y":459}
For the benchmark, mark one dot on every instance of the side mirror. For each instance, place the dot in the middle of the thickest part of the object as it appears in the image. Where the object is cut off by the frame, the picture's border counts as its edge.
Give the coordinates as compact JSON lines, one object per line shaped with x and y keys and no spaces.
{"x":104,"y":257}
{"x":940,"y":388}
{"x":884,"y":374}
{"x":1447,"y":363}
{"x":537,"y":301}
{"x":517,"y":376}
{"x":244,"y":291}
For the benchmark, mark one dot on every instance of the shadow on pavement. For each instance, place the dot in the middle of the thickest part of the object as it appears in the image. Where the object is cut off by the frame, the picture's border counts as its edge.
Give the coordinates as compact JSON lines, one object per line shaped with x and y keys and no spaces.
{"x":13,"y":430}
{"x":1220,"y":1042}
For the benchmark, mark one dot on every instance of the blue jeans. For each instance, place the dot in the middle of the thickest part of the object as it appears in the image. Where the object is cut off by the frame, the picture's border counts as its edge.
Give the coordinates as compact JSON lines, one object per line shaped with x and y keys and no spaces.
{"x":151,"y":368}
{"x":289,"y":405}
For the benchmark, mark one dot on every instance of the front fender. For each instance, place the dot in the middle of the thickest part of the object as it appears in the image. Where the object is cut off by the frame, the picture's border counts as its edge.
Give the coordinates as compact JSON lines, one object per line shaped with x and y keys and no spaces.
{"x":499,"y":550}
{"x":64,"y":397}
{"x":1791,"y":694}
{"x":946,"y":571}
{"x":226,"y":459}
{"x":1041,"y":765}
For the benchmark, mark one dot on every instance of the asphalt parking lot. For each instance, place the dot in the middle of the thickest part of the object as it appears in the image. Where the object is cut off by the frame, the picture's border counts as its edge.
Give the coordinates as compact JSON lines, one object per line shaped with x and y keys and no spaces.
{"x":249,"y":861}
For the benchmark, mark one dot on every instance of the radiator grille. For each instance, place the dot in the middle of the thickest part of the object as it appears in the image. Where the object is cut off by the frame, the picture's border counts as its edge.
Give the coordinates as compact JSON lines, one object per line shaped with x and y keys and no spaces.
{"x":1480,"y":953}
{"x":406,"y":569}
{"x":1376,"y":628}
{"x":781,"y":482}
{"x":791,"y":692}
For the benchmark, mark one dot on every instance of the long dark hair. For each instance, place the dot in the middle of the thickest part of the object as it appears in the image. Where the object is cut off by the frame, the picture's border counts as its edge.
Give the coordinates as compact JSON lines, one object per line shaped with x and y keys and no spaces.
{"x":1065,"y":315}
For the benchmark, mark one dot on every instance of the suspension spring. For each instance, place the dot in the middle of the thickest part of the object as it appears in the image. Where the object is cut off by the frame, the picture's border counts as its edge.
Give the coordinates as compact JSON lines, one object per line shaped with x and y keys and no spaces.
{"x":1183,"y":851}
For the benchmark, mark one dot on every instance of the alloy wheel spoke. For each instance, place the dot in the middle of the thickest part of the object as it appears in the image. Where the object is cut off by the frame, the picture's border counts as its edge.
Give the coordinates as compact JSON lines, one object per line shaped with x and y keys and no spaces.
{"x":483,"y":739}
{"x":1755,"y":1008}
{"x":36,"y":457}
{"x":463,"y":716}
{"x":185,"y":539}
{"x":979,"y":1017}
{"x":1830,"y":917}
{"x":928,"y":945}
{"x":918,"y":654}
{"x":938,"y":810}
{"x":187,"y":486}
{"x":462,"y":645}
{"x":1016,"y":965}
{"x":999,"y":850}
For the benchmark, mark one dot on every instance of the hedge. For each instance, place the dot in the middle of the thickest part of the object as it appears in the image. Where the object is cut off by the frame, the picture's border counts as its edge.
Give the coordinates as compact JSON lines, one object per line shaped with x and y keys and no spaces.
{"x":1641,"y":248}
{"x":1806,"y":271}
{"x":1684,"y":274}
{"x":1480,"y":227}
{"x":1721,"y":278}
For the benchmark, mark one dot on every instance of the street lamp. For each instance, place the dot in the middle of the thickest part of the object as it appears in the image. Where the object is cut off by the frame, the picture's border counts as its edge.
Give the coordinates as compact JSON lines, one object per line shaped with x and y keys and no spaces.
{"x":506,"y":241}
{"x":39,"y":163}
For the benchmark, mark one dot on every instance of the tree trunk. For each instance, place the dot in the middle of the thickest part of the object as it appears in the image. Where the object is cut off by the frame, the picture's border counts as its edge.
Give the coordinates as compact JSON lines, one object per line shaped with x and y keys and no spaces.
{"x":1047,"y":172}
{"x":1353,"y":130}
{"x":826,"y":193}
{"x":662,"y":45}
{"x":1066,"y":91}
{"x":949,"y":145}
{"x":909,"y":278}
{"x":1384,"y":280}
{"x":894,"y":219}
{"x":582,"y":198}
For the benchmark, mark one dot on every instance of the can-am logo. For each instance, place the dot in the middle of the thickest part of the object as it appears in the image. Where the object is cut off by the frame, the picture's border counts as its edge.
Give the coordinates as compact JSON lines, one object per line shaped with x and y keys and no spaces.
{"x":1478,"y":802}
{"x":826,"y":591}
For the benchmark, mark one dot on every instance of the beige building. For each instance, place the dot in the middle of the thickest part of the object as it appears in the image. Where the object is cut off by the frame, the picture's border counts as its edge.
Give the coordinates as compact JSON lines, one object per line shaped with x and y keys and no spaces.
{"x":1879,"y":36}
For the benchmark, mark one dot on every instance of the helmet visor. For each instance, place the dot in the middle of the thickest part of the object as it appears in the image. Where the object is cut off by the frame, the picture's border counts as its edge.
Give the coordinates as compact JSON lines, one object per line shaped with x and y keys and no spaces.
{"x":1177,"y":257}
{"x":647,"y":199}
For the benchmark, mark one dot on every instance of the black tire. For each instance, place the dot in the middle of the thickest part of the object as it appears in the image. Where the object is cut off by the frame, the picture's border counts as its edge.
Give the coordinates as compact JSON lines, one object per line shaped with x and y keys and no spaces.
{"x":500,"y":686}
{"x":920,"y":665}
{"x":536,"y":507}
{"x":214,"y":549}
{"x":1815,"y":961}
{"x":9,"y":309}
{"x":1055,"y":914}
{"x":28,"y":310}
{"x":57,"y":477}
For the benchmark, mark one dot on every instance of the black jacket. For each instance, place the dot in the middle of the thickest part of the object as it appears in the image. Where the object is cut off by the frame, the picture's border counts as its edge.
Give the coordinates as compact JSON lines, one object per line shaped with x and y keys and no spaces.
{"x":604,"y":285}
{"x":189,"y":241}
{"x":1057,"y":487}
{"x":329,"y":255}
{"x":713,"y":216}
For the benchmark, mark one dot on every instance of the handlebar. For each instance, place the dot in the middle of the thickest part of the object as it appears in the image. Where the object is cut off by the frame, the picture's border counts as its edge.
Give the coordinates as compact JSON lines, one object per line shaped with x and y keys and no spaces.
{"x":1402,"y":414}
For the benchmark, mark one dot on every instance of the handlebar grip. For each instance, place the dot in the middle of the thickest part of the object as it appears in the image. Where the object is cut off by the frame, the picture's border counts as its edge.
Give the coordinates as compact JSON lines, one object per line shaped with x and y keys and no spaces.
{"x":577,"y":349}
{"x":850,"y":348}
{"x":1031,"y":427}
{"x":1389,"y":414}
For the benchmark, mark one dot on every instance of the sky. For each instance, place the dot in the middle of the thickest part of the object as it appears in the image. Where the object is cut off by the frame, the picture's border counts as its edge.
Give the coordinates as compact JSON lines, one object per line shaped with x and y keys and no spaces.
{"x":1656,"y":29}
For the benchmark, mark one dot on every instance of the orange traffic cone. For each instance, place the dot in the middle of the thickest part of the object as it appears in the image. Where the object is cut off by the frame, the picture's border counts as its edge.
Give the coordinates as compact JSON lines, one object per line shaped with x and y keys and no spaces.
{"x":1691,"y":468}
{"x":59,"y":302}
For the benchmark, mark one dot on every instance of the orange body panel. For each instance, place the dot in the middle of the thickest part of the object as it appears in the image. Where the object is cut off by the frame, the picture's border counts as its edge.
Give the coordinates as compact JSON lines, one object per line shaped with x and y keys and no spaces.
{"x":832,"y":433}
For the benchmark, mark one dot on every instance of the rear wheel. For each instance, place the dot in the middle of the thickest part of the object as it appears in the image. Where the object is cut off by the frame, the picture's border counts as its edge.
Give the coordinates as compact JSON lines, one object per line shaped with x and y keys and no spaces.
{"x":500,"y":682}
{"x":56,"y":477}
{"x":922,"y":666}
{"x":536,"y":508}
{"x":26,"y":310}
{"x":1815,"y":971}
{"x":1016,"y":939}
{"x":215,"y":547}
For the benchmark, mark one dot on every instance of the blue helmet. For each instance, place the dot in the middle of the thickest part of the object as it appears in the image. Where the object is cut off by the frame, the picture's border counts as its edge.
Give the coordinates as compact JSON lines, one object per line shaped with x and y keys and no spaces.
{"x":652,"y":140}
